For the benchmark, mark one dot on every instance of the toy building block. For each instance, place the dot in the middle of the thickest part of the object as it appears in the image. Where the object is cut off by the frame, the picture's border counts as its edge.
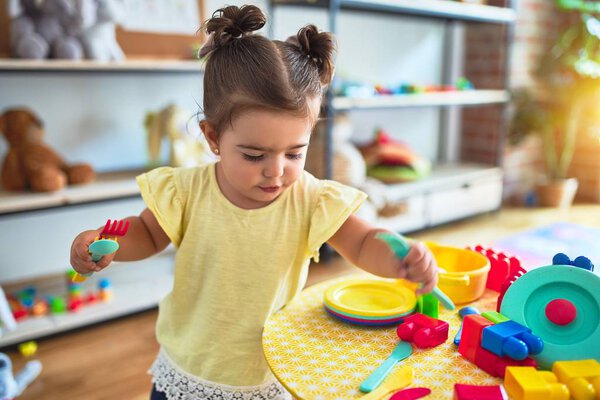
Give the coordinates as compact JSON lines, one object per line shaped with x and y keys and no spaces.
{"x":494,"y":316}
{"x":429,"y":305}
{"x":423,"y":330}
{"x":579,"y":262}
{"x":511,"y":339}
{"x":470,"y":348}
{"x":582,"y":377}
{"x":526,"y":383}
{"x":476,"y":392}
{"x":463,"y":312}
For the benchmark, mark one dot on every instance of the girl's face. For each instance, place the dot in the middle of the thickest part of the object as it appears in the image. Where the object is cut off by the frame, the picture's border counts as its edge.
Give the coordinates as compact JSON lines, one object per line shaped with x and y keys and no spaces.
{"x":262,"y":154}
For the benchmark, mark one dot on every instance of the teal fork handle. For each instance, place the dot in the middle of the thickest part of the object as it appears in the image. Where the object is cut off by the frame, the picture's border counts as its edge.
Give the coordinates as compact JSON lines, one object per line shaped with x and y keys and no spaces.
{"x":378,"y":375}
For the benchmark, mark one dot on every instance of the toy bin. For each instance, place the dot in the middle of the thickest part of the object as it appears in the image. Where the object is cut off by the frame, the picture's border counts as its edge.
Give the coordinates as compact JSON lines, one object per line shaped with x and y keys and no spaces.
{"x":463,"y":272}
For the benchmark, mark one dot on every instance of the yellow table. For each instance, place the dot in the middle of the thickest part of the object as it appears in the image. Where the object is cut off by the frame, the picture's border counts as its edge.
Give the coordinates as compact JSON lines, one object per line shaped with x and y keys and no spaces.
{"x":318,"y":357}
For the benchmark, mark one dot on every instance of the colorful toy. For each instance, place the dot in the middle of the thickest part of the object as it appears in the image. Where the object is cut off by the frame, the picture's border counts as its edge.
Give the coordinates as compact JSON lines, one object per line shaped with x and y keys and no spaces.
{"x":526,"y":383}
{"x":12,"y":386}
{"x":463,"y":312}
{"x":106,"y":243}
{"x":582,"y":377}
{"x":370,"y":302}
{"x":511,"y":339}
{"x":470,"y":347}
{"x":502,"y":266}
{"x":494,"y":316}
{"x":475,"y":392}
{"x":400,"y":379}
{"x":570,"y":327}
{"x":423,"y":331}
{"x":411,"y":393}
{"x":400,"y":247}
{"x":463,"y":272}
{"x":28,"y":348}
{"x":105,"y":292}
{"x":581,"y":261}
{"x":427,"y":304}
{"x":400,"y":352}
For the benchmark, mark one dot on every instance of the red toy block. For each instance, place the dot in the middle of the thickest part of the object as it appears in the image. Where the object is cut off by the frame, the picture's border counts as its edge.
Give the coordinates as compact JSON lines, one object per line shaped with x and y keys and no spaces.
{"x":470,"y":348}
{"x":423,"y":331}
{"x":470,"y":339}
{"x":495,"y":365}
{"x":475,"y":392}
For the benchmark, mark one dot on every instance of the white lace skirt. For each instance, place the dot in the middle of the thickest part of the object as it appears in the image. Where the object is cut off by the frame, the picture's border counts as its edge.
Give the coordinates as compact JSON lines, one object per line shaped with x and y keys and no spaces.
{"x":179,"y":385}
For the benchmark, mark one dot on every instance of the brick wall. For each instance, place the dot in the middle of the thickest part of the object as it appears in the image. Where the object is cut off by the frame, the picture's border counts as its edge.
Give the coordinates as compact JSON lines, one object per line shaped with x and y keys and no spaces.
{"x":485,"y":128}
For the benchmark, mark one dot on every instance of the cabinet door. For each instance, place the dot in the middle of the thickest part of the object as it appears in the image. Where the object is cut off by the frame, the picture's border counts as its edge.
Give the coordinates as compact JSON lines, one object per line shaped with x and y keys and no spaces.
{"x":406,"y":214}
{"x":38,"y":242}
{"x":472,"y":198}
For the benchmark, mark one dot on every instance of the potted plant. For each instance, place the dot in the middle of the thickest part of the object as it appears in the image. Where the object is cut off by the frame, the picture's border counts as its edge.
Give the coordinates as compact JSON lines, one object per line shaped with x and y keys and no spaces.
{"x":566,"y":103}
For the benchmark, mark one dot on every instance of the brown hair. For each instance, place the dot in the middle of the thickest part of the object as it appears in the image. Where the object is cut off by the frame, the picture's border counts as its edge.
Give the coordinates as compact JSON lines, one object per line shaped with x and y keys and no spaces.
{"x":245,"y":70}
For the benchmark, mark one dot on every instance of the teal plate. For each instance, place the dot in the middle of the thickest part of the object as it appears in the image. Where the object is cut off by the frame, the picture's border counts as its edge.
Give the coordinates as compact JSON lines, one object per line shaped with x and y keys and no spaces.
{"x":526,"y":299}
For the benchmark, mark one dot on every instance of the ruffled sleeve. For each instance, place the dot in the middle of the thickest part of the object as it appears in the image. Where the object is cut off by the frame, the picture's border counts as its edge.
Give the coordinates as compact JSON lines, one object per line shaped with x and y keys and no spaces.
{"x":335,"y":203}
{"x":159,"y":191}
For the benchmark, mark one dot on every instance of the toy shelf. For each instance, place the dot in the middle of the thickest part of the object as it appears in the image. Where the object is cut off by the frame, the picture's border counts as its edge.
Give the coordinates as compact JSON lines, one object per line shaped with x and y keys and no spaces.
{"x":136,"y":286}
{"x":455,"y":98}
{"x":107,"y":186}
{"x":134,"y":65}
{"x":443,"y":9}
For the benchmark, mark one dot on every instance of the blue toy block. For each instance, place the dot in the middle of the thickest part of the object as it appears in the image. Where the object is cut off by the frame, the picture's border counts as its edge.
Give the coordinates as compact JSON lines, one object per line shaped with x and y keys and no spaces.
{"x":583,"y":262}
{"x":561,"y":259}
{"x":511,"y":339}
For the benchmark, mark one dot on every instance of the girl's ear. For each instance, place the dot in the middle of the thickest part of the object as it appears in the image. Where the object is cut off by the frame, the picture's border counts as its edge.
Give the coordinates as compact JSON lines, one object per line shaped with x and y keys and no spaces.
{"x":210,"y":134}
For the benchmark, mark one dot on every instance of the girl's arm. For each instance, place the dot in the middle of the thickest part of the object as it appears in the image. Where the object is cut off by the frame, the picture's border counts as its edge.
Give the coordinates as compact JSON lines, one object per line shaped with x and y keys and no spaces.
{"x":144,"y":238}
{"x":355,"y":241}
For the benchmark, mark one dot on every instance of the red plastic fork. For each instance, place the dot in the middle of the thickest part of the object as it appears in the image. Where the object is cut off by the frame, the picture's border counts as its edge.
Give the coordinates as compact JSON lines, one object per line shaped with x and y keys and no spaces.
{"x":114,"y":228}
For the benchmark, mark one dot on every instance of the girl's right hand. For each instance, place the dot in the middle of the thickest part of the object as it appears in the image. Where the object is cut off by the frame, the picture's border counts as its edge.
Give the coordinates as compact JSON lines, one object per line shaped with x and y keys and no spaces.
{"x":81,"y":259}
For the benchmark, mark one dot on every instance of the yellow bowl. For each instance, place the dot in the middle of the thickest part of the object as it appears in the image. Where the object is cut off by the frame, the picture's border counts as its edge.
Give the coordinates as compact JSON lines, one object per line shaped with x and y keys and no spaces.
{"x":464,"y":272}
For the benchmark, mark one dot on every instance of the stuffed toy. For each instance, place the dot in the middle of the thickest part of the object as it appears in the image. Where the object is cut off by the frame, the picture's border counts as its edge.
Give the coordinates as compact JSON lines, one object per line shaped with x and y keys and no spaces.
{"x":392,"y":161}
{"x":29,"y":162}
{"x":187,"y":145}
{"x":67,"y":29}
{"x":98,"y":30}
{"x":45,"y":29}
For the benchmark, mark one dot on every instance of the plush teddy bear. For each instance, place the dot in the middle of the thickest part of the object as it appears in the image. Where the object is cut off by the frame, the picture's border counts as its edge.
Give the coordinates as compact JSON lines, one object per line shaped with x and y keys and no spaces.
{"x":29,"y":162}
{"x":98,"y":29}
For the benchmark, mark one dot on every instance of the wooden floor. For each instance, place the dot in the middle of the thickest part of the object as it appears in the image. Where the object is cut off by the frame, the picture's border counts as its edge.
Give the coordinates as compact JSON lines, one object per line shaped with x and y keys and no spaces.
{"x":110,"y":360}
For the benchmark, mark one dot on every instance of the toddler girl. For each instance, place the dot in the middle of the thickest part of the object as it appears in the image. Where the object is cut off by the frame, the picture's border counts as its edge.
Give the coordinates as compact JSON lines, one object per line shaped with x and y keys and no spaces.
{"x":246,"y":227}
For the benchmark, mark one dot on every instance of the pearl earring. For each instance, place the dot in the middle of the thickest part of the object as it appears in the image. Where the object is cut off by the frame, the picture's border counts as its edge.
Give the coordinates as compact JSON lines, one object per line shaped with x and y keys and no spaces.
{"x":216,"y":151}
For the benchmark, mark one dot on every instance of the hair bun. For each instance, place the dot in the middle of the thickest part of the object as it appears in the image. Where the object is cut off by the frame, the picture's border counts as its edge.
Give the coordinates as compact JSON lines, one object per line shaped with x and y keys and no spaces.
{"x":233,"y":22}
{"x":318,"y":46}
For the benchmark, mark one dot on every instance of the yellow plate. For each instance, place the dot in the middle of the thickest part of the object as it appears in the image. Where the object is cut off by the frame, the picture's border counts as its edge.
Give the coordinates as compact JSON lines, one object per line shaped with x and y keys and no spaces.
{"x":371,"y":298}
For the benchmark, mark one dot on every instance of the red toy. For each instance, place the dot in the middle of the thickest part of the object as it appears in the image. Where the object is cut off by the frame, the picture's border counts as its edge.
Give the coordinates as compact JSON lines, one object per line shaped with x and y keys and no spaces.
{"x":423,"y":331}
{"x":470,"y":348}
{"x":502,"y":266}
{"x":474,"y":392}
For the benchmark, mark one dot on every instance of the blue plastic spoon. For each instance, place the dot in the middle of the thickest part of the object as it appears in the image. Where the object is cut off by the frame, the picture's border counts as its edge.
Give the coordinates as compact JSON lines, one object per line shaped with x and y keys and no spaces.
{"x":400,"y":352}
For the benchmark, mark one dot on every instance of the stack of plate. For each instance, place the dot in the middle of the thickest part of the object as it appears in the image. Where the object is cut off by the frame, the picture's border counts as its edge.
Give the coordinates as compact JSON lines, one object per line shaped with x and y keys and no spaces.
{"x":371,"y":302}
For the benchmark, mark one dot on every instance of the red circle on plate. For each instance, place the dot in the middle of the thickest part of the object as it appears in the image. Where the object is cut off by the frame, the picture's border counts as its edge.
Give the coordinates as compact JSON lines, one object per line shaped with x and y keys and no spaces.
{"x":561,"y":311}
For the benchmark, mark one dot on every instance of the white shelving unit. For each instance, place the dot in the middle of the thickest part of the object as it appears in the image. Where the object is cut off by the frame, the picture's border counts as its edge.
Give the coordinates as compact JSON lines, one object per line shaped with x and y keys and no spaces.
{"x":42,"y":225}
{"x":455,"y":189}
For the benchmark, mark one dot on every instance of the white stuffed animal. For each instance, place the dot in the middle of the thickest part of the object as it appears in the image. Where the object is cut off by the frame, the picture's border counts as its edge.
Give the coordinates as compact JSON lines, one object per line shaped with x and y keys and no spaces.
{"x":98,"y":20}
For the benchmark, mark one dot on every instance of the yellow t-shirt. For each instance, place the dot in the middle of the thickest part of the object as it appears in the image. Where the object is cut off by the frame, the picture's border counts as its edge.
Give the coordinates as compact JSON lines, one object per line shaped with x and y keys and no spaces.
{"x":235,"y":267}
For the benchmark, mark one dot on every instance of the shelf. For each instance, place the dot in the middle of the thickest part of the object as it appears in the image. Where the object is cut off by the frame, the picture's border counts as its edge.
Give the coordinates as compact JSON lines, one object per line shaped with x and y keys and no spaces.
{"x":149,"y":66}
{"x":426,"y":8}
{"x":445,"y":176}
{"x":136,"y":287}
{"x":432,"y":99}
{"x":107,"y":186}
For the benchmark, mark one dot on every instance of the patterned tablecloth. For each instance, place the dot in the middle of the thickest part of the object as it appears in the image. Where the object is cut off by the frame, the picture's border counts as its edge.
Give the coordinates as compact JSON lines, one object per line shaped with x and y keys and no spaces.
{"x":318,"y":357}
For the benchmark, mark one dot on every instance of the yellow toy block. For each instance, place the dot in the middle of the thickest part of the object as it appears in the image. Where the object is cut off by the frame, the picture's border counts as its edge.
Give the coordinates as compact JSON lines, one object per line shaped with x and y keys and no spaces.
{"x":582,"y":377}
{"x":527,"y":383}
